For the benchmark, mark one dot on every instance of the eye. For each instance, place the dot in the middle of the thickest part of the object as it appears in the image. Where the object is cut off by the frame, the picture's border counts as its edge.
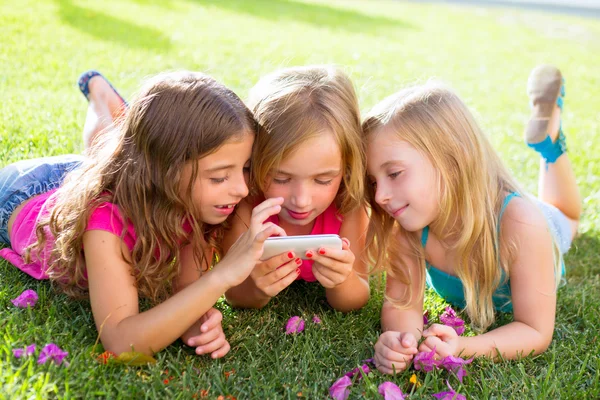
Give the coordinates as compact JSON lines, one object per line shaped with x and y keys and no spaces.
{"x":218,"y":180}
{"x":281,"y":181}
{"x":325,"y":183}
{"x":394,"y":175}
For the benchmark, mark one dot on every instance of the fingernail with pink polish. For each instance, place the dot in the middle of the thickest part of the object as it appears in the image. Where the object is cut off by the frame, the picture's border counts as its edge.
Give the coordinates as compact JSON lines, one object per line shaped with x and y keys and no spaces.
{"x":309,"y":254}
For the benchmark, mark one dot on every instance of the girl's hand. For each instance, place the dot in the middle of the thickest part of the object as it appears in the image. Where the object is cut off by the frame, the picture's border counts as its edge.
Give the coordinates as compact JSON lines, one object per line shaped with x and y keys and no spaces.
{"x":211,"y":338}
{"x":443,"y":338}
{"x":245,"y":253}
{"x":275,"y":274}
{"x":394,"y":351}
{"x":332,"y":267}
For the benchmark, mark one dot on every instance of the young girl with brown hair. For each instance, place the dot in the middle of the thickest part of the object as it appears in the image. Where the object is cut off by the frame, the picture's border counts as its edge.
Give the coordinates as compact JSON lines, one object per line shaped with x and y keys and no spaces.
{"x":141,"y":215}
{"x":313,"y":157}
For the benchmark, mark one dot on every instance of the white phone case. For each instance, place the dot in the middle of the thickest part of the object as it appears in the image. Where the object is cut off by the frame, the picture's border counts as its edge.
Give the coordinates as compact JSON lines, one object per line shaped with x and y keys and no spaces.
{"x":299,"y":244}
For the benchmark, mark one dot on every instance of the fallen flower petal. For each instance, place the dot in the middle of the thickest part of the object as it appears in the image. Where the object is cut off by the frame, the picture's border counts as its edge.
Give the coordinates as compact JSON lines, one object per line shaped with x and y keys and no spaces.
{"x":316,"y":319}
{"x":425,"y":361}
{"x":52,"y":352}
{"x":426,"y":318}
{"x":339,"y":390}
{"x":357,"y":371}
{"x":449,"y":318}
{"x":294,"y":325}
{"x":390,"y":391}
{"x":456,"y":365}
{"x":449,"y":395}
{"x":29,"y":350}
{"x":18,"y":353}
{"x":26,"y":299}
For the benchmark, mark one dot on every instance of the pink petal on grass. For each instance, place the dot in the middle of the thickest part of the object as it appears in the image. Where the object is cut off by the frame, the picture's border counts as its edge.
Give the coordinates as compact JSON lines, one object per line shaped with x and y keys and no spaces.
{"x":449,"y":395}
{"x":316,"y":319}
{"x":449,"y":318}
{"x":456,"y":365}
{"x":339,"y":390}
{"x":294,"y":325}
{"x":27,"y":351}
{"x":52,"y":352}
{"x":390,"y":391}
{"x":360,"y":371}
{"x":425,"y":361}
{"x":26,"y":299}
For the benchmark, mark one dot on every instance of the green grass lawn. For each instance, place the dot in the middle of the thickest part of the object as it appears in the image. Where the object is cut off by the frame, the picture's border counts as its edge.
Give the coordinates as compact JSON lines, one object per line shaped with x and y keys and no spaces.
{"x":486,"y":54}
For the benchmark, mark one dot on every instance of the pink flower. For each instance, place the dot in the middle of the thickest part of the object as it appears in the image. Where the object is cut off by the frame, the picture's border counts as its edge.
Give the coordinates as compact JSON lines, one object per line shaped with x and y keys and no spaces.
{"x":390,"y":391}
{"x":449,"y":395}
{"x":27,"y":351}
{"x":294,"y":325}
{"x":316,"y":319}
{"x":426,"y":318}
{"x":425,"y":361}
{"x":339,"y":390}
{"x":360,"y":371}
{"x":456,"y":365}
{"x":52,"y":352}
{"x":449,"y":318}
{"x":26,"y":299}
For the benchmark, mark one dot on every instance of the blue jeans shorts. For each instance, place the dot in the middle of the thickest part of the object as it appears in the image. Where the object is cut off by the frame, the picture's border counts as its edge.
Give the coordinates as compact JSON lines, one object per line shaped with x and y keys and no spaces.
{"x":24,"y":179}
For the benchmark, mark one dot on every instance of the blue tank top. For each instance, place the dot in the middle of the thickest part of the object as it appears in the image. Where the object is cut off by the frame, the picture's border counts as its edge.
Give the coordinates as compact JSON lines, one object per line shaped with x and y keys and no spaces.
{"x":450,"y":287}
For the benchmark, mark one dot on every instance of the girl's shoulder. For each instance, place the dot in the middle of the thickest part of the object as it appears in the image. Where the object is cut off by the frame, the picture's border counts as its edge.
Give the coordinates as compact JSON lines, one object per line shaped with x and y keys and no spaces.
{"x":521,"y":216}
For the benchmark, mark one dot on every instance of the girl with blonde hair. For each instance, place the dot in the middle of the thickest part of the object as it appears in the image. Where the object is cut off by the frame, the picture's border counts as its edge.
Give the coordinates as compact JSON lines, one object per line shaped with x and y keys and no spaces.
{"x":445,"y":212}
{"x":312,"y":156}
{"x":142,"y":214}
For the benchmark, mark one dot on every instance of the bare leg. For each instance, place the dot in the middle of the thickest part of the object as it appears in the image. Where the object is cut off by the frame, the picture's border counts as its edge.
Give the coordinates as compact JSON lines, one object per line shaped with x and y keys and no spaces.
{"x":105,"y":106}
{"x":557,"y":184}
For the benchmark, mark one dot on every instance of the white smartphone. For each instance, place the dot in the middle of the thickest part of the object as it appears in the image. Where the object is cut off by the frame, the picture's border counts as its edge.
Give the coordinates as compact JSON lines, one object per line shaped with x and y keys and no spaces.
{"x":299,"y":244}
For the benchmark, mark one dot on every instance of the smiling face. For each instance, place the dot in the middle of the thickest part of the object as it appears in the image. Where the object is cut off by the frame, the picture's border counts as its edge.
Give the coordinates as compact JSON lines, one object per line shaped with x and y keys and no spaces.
{"x":405,"y":181}
{"x":308,"y":180}
{"x":221,"y":181}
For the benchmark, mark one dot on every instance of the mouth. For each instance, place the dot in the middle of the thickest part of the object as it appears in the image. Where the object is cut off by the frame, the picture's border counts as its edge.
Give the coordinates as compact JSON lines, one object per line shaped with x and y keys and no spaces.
{"x":298,"y":215}
{"x":396,"y":213}
{"x":225,"y":209}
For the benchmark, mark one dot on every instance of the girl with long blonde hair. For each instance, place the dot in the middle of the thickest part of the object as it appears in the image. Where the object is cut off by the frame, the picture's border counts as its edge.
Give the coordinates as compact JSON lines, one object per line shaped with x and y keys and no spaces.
{"x":446,"y":213}
{"x":143,"y":213}
{"x":312,"y":156}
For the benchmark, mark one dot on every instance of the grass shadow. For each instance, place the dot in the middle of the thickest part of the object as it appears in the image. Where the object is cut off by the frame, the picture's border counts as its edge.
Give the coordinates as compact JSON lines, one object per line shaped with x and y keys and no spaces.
{"x":313,"y":14}
{"x":108,"y":28}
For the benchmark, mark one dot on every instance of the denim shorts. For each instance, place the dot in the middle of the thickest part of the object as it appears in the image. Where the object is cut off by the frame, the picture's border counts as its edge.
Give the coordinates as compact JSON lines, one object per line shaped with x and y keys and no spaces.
{"x":24,"y":179}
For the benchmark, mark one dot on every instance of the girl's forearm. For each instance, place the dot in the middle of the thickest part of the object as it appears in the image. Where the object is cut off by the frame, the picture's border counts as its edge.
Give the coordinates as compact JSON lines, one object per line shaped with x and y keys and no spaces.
{"x":153,"y":330}
{"x":509,"y":341}
{"x":351,"y":295}
{"x":408,"y":320}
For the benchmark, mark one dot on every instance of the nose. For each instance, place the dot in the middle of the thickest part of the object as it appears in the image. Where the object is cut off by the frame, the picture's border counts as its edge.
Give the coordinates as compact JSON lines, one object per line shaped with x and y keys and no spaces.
{"x":382,"y":195}
{"x":300,"y":195}
{"x":240,"y":186}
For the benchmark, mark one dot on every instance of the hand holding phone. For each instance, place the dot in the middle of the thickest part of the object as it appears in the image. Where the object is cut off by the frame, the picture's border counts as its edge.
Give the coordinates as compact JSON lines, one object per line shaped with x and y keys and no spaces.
{"x":299,"y":244}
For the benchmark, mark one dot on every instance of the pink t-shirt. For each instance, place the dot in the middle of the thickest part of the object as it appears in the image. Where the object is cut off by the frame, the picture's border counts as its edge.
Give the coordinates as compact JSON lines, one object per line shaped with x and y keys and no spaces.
{"x":329,"y":222}
{"x":105,"y":218}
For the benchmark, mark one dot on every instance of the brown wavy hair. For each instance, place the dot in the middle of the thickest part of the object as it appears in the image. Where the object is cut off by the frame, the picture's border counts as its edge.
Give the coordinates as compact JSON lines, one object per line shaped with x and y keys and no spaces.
{"x":177,"y":118}
{"x":473,"y":184}
{"x":295,"y":104}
